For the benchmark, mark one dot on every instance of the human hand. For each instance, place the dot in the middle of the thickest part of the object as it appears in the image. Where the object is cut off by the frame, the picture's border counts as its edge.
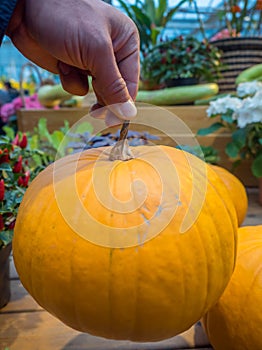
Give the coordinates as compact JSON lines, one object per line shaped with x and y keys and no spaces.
{"x":79,"y":38}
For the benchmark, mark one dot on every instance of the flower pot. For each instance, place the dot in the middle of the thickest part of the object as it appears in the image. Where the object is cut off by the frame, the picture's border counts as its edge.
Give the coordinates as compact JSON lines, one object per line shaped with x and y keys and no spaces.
{"x":148,"y":85}
{"x":238,"y":54}
{"x":5,"y":291}
{"x":181,"y":82}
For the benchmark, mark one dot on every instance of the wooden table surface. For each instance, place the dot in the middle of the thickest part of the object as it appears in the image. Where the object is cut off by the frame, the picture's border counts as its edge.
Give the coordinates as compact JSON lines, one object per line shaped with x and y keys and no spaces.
{"x":24,"y":325}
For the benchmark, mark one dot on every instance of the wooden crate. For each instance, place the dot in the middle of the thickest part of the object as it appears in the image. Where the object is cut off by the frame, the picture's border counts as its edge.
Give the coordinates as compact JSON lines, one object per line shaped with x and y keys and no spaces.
{"x":174,"y":125}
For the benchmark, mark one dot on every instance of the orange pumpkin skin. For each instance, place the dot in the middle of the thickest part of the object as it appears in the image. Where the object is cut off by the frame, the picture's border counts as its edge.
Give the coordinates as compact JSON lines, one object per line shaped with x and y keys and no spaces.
{"x":235,"y":322}
{"x":237,"y":192}
{"x":145,"y":291}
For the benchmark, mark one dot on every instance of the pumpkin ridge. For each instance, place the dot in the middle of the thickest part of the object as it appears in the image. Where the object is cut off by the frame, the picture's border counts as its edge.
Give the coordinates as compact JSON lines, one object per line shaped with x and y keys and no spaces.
{"x":109,"y":289}
{"x":207,"y":272}
{"x":74,"y":288}
{"x":136,"y":322}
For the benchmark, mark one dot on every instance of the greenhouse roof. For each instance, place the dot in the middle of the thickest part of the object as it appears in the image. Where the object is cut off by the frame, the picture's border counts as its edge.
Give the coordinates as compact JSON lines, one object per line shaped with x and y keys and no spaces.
{"x":186,"y":20}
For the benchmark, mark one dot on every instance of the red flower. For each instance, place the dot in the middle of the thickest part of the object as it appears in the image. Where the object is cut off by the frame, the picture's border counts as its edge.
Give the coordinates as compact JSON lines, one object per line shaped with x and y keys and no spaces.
{"x":23,"y":142}
{"x":235,"y":9}
{"x":23,"y":180}
{"x":2,"y":224}
{"x":18,"y":165}
{"x":11,"y":226}
{"x":4,"y":156}
{"x":2,"y":190}
{"x":16,"y":140}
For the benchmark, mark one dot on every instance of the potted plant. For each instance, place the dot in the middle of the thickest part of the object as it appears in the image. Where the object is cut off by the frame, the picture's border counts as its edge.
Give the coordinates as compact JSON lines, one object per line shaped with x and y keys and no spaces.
{"x":20,"y":162}
{"x":239,"y":38}
{"x":182,"y":60}
{"x":239,"y":18}
{"x":241,"y":115}
{"x":150,"y":17}
{"x":15,"y":175}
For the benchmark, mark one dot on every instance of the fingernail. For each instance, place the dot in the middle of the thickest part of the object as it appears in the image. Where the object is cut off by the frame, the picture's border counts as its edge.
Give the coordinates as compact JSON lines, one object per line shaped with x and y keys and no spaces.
{"x":125,"y":110}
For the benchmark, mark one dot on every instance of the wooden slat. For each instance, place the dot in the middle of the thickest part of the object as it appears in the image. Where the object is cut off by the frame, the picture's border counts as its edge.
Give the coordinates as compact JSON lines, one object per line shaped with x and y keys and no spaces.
{"x":28,"y":119}
{"x":164,"y":117}
{"x":174,"y":125}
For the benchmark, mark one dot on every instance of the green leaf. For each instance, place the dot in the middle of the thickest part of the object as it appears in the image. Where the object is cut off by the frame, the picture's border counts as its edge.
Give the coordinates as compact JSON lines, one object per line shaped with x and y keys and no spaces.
{"x":212,"y":128}
{"x":141,"y":17}
{"x":172,"y":12}
{"x":232,"y":150}
{"x":84,"y":127}
{"x":57,"y":138}
{"x":37,"y":159}
{"x":227,"y":118}
{"x":256,"y":166}
{"x":6,"y":167}
{"x":235,"y":165}
{"x":34,"y":142}
{"x":4,"y":141}
{"x":9,"y":132}
{"x":150,"y":9}
{"x":154,"y":34}
{"x":6,"y":236}
{"x":239,"y":137}
{"x":66,"y":127}
{"x":43,"y":131}
{"x":160,"y":12}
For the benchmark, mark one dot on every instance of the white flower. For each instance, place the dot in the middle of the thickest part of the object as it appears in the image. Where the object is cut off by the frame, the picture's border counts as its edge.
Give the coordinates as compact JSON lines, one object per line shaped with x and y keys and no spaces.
{"x":223,"y":105}
{"x":250,"y":111}
{"x":248,"y":88}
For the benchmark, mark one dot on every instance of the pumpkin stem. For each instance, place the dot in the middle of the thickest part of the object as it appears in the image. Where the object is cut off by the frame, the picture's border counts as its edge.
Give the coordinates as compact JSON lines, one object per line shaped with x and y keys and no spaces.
{"x":121,"y":150}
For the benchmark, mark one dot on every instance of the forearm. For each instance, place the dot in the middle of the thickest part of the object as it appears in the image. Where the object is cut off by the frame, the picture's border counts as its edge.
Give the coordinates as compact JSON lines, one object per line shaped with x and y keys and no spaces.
{"x":6,"y":10}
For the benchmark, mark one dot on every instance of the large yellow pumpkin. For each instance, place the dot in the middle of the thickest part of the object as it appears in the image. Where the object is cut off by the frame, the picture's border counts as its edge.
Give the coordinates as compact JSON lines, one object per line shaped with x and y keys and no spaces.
{"x":235,"y":322}
{"x":136,"y":249}
{"x":237,"y":192}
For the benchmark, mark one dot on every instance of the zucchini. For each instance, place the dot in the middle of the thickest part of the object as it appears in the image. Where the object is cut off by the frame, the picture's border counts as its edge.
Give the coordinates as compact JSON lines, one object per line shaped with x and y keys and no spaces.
{"x":52,"y":95}
{"x":250,"y":74}
{"x":177,"y":95}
